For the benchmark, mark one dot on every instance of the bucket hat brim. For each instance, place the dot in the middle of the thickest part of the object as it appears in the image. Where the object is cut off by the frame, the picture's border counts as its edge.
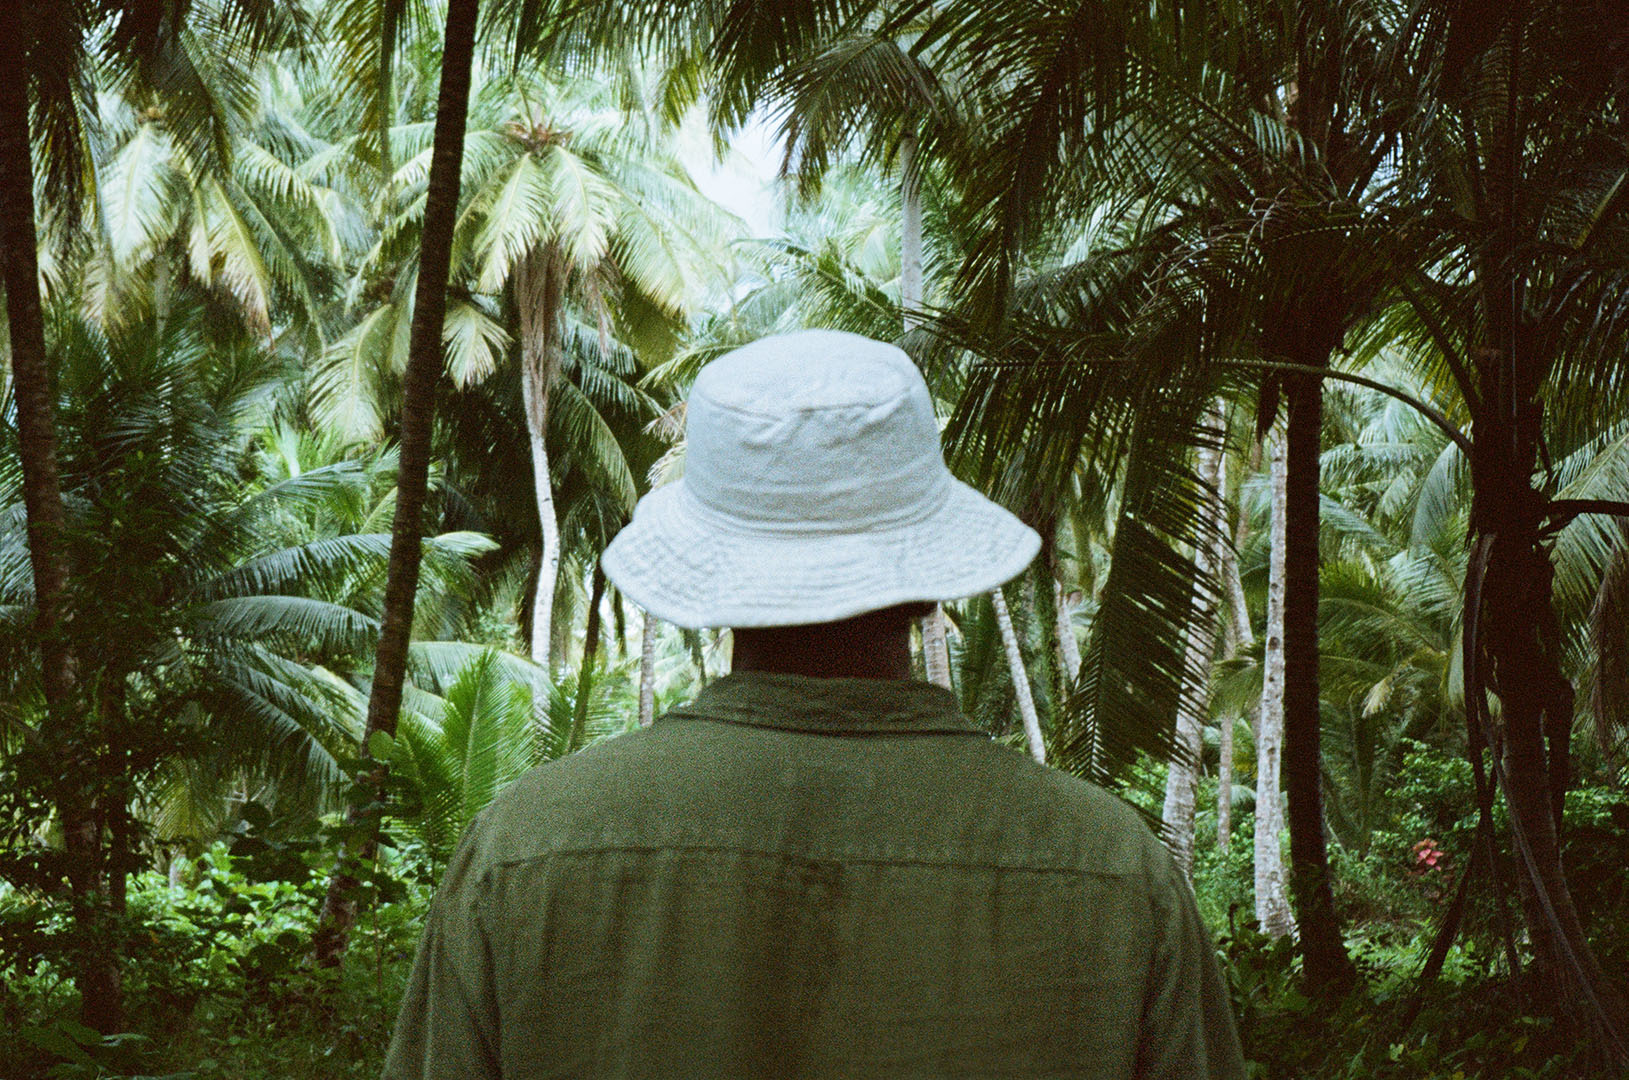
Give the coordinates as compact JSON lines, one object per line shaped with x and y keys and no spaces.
{"x":695,"y":568}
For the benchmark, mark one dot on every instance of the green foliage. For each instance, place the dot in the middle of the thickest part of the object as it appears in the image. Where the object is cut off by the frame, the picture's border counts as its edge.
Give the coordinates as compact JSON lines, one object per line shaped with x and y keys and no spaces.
{"x":1124,"y":210}
{"x":1467,"y":1027}
{"x":483,"y":737}
{"x":218,"y":978}
{"x":1471,"y":1023}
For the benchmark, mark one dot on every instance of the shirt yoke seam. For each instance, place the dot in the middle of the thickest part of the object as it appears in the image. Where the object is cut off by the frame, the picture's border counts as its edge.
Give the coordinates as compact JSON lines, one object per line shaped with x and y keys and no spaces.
{"x":809,"y":857}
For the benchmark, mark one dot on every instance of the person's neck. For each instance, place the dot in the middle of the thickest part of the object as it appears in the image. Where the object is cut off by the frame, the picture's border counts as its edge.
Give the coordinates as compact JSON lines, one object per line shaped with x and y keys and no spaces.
{"x":822,"y":652}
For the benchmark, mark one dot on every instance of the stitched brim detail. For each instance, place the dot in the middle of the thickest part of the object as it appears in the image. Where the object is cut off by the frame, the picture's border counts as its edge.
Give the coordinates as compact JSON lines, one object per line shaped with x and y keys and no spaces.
{"x":693,"y":570}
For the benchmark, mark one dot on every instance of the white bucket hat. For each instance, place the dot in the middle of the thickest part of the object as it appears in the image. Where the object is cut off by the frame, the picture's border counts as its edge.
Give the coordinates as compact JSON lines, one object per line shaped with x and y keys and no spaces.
{"x":814,"y":489}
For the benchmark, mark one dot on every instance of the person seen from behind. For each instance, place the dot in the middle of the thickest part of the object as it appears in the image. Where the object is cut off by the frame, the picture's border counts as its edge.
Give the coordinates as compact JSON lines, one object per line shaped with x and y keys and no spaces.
{"x":819,"y":868}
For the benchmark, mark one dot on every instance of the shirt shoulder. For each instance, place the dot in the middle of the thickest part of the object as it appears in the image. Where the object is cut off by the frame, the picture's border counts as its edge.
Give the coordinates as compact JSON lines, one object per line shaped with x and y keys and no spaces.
{"x":951,"y":799}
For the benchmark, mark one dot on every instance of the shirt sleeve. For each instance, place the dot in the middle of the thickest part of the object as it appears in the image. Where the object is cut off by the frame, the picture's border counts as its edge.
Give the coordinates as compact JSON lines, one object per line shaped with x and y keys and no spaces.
{"x":1188,"y":1030}
{"x":447,"y":1028}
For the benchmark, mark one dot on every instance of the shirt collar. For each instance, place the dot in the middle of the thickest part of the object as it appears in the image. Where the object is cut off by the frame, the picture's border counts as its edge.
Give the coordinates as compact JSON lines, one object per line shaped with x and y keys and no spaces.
{"x":803,"y":703}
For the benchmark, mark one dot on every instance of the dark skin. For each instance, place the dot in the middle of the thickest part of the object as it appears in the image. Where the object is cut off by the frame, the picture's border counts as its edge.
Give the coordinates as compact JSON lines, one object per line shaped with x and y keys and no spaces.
{"x":875,"y":645}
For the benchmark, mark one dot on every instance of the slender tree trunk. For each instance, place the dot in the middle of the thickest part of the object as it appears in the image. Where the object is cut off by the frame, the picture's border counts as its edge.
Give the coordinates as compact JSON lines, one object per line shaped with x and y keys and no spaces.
{"x":1239,"y":637}
{"x":936,"y":648}
{"x":1182,"y":773}
{"x":1224,"y":781}
{"x":418,"y":408}
{"x":910,"y":233}
{"x":30,"y":374}
{"x":96,"y":970}
{"x":1068,"y":645}
{"x":594,"y":627}
{"x":1329,"y":970}
{"x":1272,"y":899}
{"x":647,"y":670}
{"x":539,"y":293}
{"x":1020,"y":678}
{"x":161,"y":295}
{"x":591,"y":650}
{"x":935,"y":644}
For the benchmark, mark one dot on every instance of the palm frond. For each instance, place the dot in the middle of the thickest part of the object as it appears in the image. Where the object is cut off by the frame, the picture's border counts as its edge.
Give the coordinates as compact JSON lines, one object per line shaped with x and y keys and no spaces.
{"x":484,"y":740}
{"x":475,"y":341}
{"x":329,"y":626}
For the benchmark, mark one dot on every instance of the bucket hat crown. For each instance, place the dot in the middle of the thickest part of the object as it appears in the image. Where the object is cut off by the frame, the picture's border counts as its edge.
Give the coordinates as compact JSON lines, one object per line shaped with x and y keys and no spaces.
{"x":814,"y":489}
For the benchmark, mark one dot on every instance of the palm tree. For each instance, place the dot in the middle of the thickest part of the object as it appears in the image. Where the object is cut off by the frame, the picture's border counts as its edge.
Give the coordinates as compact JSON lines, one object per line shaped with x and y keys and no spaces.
{"x":317,"y":518}
{"x":28,"y":40}
{"x":47,"y":54}
{"x":251,"y":230}
{"x":418,"y":406}
{"x":582,"y":205}
{"x":1520,"y":306}
{"x":1270,"y":171}
{"x":572,"y":211}
{"x":225,"y":640}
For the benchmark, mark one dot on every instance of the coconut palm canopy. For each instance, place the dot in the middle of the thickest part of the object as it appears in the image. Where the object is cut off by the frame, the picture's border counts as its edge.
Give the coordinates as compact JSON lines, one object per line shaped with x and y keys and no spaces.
{"x":341,"y":339}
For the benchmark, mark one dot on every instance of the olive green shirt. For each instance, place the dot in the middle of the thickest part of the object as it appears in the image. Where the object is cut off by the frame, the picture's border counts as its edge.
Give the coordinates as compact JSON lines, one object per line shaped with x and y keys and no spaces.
{"x":796,"y":877}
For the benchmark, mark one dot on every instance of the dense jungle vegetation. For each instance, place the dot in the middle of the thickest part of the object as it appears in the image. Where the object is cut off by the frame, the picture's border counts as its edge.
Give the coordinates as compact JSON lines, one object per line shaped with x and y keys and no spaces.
{"x":342,"y":337}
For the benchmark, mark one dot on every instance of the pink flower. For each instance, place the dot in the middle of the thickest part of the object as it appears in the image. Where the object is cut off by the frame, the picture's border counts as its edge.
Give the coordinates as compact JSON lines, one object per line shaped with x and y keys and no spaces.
{"x":1426,"y":854}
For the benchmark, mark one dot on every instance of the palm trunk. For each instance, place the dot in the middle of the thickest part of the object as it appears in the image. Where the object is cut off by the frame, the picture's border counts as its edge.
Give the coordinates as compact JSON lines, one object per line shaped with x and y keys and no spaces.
{"x":1239,"y":637}
{"x":1521,"y":640}
{"x":30,"y":376}
{"x":96,"y":970}
{"x":1272,"y":901}
{"x":591,"y":650}
{"x":539,"y":292}
{"x":1020,"y":678}
{"x":1182,"y":774}
{"x":1518,"y":647}
{"x":418,"y":410}
{"x":936,"y":648}
{"x":910,"y":233}
{"x":1329,"y":970}
{"x":647,"y":670}
{"x":161,"y":295}
{"x":619,"y":625}
{"x":935,"y":644}
{"x":698,"y":657}
{"x":1068,"y":645}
